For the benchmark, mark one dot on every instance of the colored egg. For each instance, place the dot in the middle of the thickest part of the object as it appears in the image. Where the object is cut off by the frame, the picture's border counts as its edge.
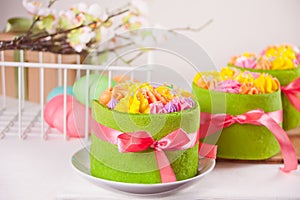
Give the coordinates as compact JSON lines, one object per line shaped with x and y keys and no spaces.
{"x":97,"y":85}
{"x":75,"y":115}
{"x":59,"y":90}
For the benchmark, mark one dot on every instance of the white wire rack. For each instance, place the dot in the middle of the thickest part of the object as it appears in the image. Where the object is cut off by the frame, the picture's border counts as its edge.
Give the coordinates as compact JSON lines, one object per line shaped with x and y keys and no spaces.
{"x":21,"y":118}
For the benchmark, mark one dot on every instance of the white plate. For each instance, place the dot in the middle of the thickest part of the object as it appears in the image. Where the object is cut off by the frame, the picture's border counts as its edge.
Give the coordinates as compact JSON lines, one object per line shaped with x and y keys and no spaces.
{"x":81,"y":164}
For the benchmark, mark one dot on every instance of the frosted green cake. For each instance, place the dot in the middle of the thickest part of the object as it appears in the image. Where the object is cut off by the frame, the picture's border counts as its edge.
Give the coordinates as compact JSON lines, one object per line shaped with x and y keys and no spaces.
{"x":291,"y":116}
{"x":243,"y":142}
{"x":141,"y":167}
{"x":281,"y":61}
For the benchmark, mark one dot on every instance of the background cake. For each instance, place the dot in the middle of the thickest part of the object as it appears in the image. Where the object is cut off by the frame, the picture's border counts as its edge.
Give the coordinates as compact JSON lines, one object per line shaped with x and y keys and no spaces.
{"x":237,"y":93}
{"x":282,"y":62}
{"x":159,"y":110}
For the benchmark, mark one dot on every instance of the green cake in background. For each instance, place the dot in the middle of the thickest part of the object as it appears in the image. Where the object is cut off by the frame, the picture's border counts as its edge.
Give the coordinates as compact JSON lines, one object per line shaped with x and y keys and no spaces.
{"x":291,"y":116}
{"x":143,"y":107}
{"x":234,"y":92}
{"x":282,"y":62}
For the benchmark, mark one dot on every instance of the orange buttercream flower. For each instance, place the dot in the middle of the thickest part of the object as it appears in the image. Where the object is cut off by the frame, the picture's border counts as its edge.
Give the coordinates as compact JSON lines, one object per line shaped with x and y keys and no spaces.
{"x":249,"y":88}
{"x":105,"y":96}
{"x":264,"y":63}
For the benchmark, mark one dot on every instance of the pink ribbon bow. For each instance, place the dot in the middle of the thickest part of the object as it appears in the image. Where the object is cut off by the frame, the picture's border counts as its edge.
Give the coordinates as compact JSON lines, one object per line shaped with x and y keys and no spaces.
{"x":211,"y":123}
{"x":292,"y":91}
{"x":141,"y":141}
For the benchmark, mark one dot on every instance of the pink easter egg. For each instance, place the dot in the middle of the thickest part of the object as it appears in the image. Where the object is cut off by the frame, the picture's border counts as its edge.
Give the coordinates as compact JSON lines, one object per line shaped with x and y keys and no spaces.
{"x":75,"y":115}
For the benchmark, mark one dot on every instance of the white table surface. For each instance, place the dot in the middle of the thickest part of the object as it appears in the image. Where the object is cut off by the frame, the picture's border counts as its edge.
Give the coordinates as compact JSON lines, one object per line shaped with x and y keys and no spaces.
{"x":35,"y":169}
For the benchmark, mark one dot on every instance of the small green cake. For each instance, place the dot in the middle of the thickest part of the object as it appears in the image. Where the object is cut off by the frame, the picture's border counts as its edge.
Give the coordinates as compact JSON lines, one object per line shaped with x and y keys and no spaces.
{"x":282,"y":62}
{"x":134,"y":115}
{"x":291,"y":116}
{"x":238,"y":141}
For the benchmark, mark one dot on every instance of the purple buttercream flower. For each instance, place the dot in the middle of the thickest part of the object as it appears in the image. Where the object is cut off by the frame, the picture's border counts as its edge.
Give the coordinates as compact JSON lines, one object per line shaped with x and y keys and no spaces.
{"x":112,"y":103}
{"x":176,"y":103}
{"x":186,"y":103}
{"x":170,"y":107}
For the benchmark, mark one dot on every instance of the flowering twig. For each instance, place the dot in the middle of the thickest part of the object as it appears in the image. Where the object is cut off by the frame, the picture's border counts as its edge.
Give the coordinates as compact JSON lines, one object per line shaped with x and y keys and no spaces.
{"x":188,"y":28}
{"x":29,"y":32}
{"x":41,"y":43}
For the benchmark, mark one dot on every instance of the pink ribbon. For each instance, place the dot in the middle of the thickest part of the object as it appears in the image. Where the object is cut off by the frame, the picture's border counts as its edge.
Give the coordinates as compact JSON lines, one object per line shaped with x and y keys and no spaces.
{"x":211,"y":123}
{"x":141,"y":141}
{"x":292,"y":91}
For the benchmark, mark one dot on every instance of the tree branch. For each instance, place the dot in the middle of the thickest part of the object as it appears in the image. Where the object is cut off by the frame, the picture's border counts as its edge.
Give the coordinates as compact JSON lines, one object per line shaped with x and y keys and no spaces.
{"x":188,"y":28}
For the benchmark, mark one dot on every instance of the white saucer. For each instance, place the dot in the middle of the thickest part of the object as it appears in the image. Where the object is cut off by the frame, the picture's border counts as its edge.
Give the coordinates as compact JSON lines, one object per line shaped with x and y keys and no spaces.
{"x":81,"y":164}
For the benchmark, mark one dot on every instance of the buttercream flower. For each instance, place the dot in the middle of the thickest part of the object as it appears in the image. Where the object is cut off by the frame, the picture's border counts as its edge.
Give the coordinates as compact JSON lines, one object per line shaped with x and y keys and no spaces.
{"x":170,"y":107}
{"x":207,"y":80}
{"x":112,"y":103}
{"x":156,"y":107}
{"x":246,"y":62}
{"x":249,"y":88}
{"x":105,"y":97}
{"x":282,"y":56}
{"x":228,"y":73}
{"x":231,"y":86}
{"x":186,"y":103}
{"x":266,"y":84}
{"x":264,"y":63}
{"x":298,"y":58}
{"x":244,"y":77}
{"x":165,"y":92}
{"x":119,"y":91}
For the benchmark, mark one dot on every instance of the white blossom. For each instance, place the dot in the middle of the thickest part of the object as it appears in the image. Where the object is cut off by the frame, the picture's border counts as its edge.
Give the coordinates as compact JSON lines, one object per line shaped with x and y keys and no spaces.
{"x":97,"y":11}
{"x":35,"y":8}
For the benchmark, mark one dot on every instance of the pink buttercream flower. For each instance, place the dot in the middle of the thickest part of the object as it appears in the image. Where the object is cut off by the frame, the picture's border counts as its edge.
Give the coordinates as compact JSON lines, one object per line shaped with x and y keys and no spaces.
{"x":157,"y":108}
{"x":245,"y":62}
{"x":298,"y":58}
{"x":230,"y":86}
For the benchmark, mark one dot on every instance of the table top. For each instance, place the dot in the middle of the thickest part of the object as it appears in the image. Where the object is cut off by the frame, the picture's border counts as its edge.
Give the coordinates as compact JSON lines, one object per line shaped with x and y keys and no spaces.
{"x":35,"y":169}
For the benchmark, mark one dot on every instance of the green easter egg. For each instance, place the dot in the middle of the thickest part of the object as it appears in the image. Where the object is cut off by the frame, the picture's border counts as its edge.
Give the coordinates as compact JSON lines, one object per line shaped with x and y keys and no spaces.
{"x":96,"y":86}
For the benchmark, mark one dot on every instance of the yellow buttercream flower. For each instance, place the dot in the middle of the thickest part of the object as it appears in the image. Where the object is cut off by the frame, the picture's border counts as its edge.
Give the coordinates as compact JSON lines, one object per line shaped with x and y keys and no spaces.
{"x":283,"y":63}
{"x":123,"y":105}
{"x":266,"y":84}
{"x":134,"y":104}
{"x":249,"y":55}
{"x":165,"y":92}
{"x":227,"y":73}
{"x":245,"y":77}
{"x":282,"y":56}
{"x":144,"y":104}
{"x":197,"y":77}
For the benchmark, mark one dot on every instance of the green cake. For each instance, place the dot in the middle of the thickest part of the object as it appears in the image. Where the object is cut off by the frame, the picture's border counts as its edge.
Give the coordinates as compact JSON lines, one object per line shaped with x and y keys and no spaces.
{"x":291,"y":116}
{"x":239,"y":141}
{"x":281,"y":61}
{"x":141,"y":167}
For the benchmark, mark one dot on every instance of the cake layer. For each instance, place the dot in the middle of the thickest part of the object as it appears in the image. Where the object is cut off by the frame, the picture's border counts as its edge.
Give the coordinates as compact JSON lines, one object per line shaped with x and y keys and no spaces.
{"x":141,"y":167}
{"x":291,"y":117}
{"x":246,"y":142}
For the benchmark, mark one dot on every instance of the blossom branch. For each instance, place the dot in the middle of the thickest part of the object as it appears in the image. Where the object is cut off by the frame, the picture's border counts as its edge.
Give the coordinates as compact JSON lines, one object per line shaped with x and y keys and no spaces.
{"x":188,"y":28}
